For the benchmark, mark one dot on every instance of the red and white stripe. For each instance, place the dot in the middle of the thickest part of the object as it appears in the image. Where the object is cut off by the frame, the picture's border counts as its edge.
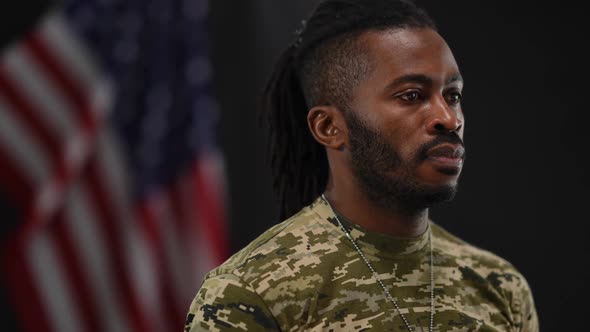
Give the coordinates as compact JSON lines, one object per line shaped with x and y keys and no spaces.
{"x":87,"y":257}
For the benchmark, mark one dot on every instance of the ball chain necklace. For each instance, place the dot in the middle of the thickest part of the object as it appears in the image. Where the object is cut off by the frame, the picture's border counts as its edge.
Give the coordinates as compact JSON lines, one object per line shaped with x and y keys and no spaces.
{"x":385,"y":291}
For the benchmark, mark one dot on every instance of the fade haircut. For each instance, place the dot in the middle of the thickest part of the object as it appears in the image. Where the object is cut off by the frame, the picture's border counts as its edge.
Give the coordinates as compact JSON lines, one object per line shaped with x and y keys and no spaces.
{"x":321,"y":67}
{"x":330,"y":71}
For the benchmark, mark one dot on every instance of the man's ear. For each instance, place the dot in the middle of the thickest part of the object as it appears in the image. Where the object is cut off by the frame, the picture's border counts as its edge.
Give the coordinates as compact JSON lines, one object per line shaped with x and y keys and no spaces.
{"x":327,"y":126}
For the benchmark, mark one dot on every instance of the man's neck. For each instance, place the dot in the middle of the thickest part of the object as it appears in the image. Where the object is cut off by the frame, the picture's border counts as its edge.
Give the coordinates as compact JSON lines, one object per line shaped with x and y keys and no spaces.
{"x":393,"y":221}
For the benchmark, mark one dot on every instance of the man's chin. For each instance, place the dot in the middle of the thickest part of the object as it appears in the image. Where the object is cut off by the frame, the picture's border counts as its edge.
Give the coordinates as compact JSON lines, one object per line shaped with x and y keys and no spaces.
{"x":430,"y":196}
{"x":438,"y":176}
{"x":412,"y":197}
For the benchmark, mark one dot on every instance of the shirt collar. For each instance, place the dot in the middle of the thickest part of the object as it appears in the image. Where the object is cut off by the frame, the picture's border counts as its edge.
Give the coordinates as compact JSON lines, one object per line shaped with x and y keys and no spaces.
{"x":371,"y":243}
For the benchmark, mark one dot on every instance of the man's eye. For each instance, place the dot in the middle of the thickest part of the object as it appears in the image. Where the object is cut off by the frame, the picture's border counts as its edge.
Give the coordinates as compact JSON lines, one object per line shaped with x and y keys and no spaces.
{"x":411,"y":96}
{"x":455,"y":98}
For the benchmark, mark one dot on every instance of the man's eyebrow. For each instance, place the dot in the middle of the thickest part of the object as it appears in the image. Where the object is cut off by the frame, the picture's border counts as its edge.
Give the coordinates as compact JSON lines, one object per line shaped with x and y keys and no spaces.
{"x":423,"y":79}
{"x":411,"y":78}
{"x":455,"y":78}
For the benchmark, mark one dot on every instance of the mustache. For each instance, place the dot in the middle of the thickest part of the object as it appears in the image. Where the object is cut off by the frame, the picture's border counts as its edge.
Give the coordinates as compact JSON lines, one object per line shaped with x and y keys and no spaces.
{"x":451,"y":138}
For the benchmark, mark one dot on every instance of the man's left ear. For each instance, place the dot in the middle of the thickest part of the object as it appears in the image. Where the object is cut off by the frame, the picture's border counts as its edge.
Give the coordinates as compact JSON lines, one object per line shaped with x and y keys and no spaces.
{"x":327,"y":126}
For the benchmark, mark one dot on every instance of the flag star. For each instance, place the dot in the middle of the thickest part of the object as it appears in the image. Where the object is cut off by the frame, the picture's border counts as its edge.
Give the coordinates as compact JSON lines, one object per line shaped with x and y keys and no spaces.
{"x":125,"y":51}
{"x":198,"y":70}
{"x":195,"y":10}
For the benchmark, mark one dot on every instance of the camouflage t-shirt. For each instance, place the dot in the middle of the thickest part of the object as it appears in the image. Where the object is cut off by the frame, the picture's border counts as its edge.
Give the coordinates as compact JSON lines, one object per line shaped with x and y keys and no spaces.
{"x":305,"y":275}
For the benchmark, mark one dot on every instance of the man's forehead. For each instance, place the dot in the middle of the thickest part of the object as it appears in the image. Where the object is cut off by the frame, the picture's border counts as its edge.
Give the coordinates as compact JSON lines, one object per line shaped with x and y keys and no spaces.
{"x":410,"y":53}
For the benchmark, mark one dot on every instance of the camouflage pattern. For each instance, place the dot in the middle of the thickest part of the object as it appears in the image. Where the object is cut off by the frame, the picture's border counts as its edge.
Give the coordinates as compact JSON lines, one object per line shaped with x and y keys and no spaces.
{"x":305,"y":275}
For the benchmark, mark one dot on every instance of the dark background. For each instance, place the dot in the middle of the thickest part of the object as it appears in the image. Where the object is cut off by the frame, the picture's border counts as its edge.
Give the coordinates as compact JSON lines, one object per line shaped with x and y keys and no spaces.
{"x":524,"y":188}
{"x":523,"y":193}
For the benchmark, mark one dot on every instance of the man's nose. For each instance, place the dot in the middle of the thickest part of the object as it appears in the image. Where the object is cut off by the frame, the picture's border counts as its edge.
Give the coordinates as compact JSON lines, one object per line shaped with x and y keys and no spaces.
{"x":444,"y":118}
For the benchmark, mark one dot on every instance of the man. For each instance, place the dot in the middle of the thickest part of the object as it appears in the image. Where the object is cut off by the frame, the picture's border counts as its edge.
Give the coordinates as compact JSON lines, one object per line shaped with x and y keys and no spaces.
{"x":366,"y":124}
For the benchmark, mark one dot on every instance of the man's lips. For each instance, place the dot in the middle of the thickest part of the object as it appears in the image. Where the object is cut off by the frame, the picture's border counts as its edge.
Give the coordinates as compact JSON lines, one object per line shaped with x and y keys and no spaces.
{"x":447,"y":155}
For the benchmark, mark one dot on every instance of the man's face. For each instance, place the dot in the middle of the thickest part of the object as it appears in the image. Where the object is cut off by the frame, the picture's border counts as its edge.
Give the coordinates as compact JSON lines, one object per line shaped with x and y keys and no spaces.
{"x":405,"y":120}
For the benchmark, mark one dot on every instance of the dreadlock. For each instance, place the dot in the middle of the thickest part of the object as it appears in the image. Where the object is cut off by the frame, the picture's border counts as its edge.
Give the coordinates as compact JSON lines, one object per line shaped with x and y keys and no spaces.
{"x":322,"y":66}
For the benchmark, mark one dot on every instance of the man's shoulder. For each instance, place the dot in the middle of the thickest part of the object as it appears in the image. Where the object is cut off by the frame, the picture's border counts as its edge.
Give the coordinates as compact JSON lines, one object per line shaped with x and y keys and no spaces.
{"x":276,"y":273}
{"x":275,"y":249}
{"x":458,"y":248}
{"x":477,"y":265}
{"x":470,"y":267}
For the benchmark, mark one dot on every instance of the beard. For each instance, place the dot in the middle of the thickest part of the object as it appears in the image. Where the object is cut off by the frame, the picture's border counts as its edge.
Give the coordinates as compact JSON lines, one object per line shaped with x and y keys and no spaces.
{"x":387,"y":179}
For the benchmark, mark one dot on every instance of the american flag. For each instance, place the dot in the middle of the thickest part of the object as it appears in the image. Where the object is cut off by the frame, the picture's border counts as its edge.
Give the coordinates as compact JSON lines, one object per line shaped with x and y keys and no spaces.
{"x":108,"y":153}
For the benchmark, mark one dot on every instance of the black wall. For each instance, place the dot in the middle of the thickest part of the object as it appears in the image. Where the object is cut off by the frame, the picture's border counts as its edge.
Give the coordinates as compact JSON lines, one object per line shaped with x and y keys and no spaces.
{"x":524,"y":188}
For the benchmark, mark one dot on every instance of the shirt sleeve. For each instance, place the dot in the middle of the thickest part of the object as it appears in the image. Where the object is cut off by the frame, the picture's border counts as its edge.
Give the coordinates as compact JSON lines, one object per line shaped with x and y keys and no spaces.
{"x":225,"y":302}
{"x":521,"y":301}
{"x":530,"y":320}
